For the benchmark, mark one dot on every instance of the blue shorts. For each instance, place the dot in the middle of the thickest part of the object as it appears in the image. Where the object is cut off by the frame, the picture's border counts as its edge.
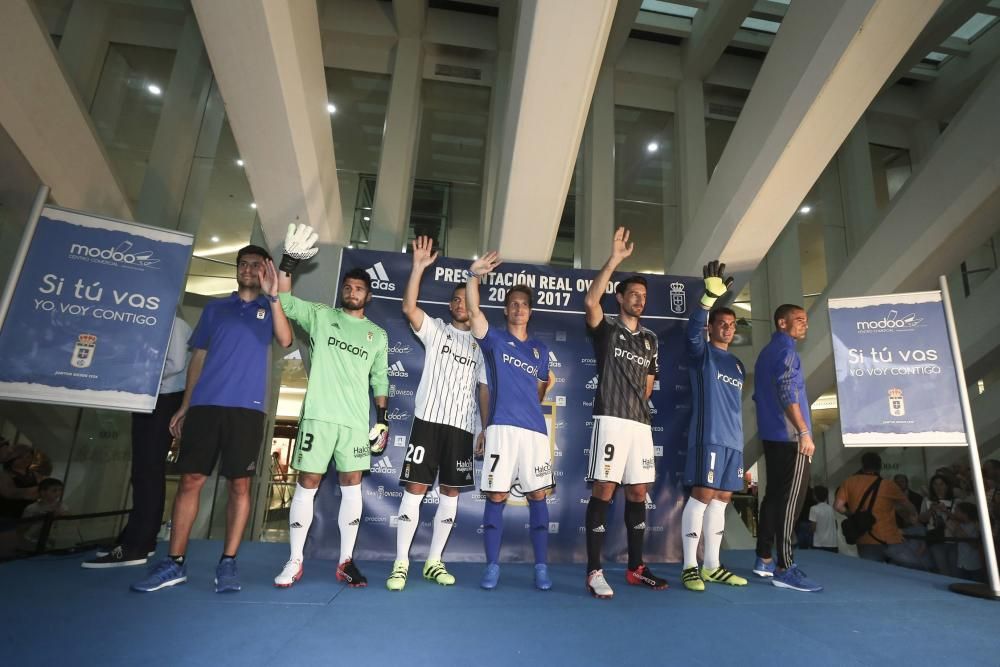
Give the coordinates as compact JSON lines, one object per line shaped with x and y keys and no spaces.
{"x":714,"y":467}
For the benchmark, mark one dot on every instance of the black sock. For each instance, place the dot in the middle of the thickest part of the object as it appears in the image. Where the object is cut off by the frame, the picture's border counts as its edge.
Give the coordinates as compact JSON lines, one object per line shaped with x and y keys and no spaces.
{"x":177,"y":559}
{"x":635,"y":525}
{"x":596,"y":512}
{"x":225,"y":556}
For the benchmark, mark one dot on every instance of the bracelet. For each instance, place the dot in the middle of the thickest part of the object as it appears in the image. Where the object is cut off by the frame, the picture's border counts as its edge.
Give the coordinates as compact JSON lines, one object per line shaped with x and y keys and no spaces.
{"x":802,"y":433}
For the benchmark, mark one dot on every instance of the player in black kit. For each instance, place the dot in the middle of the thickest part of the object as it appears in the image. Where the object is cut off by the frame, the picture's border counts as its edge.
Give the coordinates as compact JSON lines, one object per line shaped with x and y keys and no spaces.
{"x":621,"y":448}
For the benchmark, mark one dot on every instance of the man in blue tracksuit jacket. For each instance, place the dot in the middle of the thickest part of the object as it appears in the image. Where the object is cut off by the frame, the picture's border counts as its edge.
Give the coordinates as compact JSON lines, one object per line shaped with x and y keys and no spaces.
{"x":785,"y":429}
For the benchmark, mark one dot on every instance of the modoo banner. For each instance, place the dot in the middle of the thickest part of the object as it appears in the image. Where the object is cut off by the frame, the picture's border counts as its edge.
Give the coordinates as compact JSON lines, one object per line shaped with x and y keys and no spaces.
{"x":896,"y":381}
{"x":90,"y":316}
{"x":557,"y":320}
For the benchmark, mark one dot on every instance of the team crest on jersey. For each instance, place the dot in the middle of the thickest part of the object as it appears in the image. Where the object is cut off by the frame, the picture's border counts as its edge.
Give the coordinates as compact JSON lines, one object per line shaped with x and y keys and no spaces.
{"x":260,"y":314}
{"x":371,"y":336}
{"x":535,"y":350}
{"x":647,"y":345}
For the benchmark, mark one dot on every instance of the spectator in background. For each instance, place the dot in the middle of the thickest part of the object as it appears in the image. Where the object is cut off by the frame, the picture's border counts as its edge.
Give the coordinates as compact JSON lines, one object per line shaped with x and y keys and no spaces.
{"x":18,"y":483}
{"x":50,"y":491}
{"x":884,"y":542}
{"x":151,"y":441}
{"x":964,"y":524}
{"x":934,"y":515}
{"x":903,"y":482}
{"x":803,"y":527}
{"x":822,"y":523}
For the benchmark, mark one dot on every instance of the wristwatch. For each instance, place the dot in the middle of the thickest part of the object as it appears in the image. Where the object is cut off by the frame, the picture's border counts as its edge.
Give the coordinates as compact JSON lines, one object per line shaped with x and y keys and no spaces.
{"x":273,"y":298}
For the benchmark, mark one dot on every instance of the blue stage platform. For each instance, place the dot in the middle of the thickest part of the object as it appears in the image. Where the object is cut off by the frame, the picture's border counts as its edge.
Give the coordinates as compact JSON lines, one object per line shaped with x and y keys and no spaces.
{"x":54,"y":612}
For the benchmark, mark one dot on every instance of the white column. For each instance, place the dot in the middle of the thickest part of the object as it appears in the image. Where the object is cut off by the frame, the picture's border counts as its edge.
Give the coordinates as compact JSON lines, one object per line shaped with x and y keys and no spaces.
{"x":854,"y":164}
{"x":170,"y":160}
{"x":554,"y":72}
{"x":599,"y":174}
{"x":84,"y":45}
{"x":691,"y":152}
{"x":397,"y":163}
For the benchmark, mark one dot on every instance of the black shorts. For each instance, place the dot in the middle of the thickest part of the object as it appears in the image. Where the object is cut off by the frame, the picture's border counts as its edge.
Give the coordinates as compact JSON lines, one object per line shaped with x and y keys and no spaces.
{"x":210,"y":429}
{"x":434,"y":448}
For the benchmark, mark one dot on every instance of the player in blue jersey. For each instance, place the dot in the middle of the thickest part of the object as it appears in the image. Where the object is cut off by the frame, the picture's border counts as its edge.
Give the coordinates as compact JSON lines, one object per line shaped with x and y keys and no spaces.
{"x":517,"y":441}
{"x":715,"y":436}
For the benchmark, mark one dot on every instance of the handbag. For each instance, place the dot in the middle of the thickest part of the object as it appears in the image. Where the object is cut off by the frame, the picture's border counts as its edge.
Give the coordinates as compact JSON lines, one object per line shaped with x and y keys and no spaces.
{"x":862,"y":520}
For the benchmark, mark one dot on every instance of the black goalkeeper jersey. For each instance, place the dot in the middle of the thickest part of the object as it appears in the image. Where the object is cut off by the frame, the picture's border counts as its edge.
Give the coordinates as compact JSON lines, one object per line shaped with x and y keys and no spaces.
{"x":624,"y":360}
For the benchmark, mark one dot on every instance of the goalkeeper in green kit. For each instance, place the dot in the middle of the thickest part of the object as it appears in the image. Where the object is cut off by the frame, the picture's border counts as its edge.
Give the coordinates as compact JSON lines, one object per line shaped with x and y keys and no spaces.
{"x":349,"y":353}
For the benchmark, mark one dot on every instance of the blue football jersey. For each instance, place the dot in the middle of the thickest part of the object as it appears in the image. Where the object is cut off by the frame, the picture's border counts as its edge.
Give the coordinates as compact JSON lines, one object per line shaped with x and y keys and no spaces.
{"x":513,"y":369}
{"x":716,"y":389}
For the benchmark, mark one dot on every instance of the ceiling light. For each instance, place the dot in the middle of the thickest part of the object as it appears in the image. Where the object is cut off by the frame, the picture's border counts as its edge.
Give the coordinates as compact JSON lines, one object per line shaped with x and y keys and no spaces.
{"x":806,"y":209}
{"x":253,"y":205}
{"x":239,"y":163}
{"x":652,"y":147}
{"x":475,"y":257}
{"x":215,"y":239}
{"x":154,"y":89}
{"x":367,"y":218}
{"x":331,"y":108}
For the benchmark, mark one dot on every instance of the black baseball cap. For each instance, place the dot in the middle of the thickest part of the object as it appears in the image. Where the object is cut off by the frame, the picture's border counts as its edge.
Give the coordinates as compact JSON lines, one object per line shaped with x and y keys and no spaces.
{"x":252,"y":250}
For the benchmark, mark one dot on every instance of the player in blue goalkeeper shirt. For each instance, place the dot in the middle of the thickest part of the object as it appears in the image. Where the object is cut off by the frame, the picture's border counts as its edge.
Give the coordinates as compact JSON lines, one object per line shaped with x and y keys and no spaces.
{"x":715,"y":436}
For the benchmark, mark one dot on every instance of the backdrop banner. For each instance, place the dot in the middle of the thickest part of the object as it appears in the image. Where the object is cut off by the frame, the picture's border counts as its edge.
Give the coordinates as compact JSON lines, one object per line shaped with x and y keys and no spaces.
{"x":558,"y":320}
{"x":896,"y":381}
{"x":89,"y":320}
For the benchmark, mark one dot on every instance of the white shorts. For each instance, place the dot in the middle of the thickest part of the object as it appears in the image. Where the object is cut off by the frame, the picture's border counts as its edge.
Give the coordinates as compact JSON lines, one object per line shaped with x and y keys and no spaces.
{"x":621,"y":451}
{"x":515,"y":455}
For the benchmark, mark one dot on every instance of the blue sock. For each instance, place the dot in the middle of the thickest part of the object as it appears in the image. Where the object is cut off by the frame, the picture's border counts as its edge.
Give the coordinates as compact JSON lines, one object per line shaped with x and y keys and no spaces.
{"x":493,"y":530}
{"x":538,"y":519}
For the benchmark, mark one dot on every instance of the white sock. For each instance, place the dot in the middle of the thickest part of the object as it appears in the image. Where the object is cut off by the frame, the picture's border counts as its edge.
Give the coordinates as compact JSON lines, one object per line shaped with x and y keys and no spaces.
{"x":349,"y":519}
{"x":300,"y":517}
{"x":691,"y":520}
{"x":444,"y":519}
{"x":406,"y":526}
{"x":714,"y":526}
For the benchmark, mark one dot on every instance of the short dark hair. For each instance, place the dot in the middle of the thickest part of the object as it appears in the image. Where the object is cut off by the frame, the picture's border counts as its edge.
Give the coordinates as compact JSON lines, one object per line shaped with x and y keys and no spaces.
{"x":48,"y":483}
{"x":459,"y":286}
{"x":721,"y":310}
{"x":968,"y":509}
{"x":781,"y":313}
{"x":358,"y":274}
{"x":871,"y":462}
{"x":634,"y":279}
{"x":251,"y":250}
{"x":821,"y":493}
{"x":523,"y":289}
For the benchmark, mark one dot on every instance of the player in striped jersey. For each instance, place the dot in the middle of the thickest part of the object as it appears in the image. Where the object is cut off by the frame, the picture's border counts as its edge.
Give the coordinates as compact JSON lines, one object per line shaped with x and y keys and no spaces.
{"x":440,"y":443}
{"x":621,"y":448}
{"x":715,"y":436}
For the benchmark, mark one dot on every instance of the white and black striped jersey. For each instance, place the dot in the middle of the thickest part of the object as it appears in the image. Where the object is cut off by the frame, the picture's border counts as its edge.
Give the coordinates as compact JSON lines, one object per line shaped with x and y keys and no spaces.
{"x":624,"y":360}
{"x":453,"y":367}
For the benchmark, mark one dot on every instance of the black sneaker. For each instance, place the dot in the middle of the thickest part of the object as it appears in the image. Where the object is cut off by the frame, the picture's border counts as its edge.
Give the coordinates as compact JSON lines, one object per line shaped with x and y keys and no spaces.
{"x":104,"y":551}
{"x":348,"y":572}
{"x":643,"y":576}
{"x":116,"y":557}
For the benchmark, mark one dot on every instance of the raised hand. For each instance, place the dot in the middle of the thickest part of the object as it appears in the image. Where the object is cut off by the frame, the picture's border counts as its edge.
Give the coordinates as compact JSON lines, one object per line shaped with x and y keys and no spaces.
{"x":620,"y":246}
{"x":300,"y":244}
{"x":422,"y":252}
{"x":485,"y":264}
{"x":716,"y":283}
{"x":268,"y":277}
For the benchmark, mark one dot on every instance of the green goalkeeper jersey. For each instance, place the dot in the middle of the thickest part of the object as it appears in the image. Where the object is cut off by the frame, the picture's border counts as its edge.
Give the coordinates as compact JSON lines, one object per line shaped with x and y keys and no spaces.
{"x":348,"y":355}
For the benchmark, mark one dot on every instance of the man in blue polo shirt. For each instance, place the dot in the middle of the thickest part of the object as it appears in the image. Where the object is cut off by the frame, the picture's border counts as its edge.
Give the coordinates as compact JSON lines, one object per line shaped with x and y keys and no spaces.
{"x":223,"y":412}
{"x":517,"y":441}
{"x":784,"y":425}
